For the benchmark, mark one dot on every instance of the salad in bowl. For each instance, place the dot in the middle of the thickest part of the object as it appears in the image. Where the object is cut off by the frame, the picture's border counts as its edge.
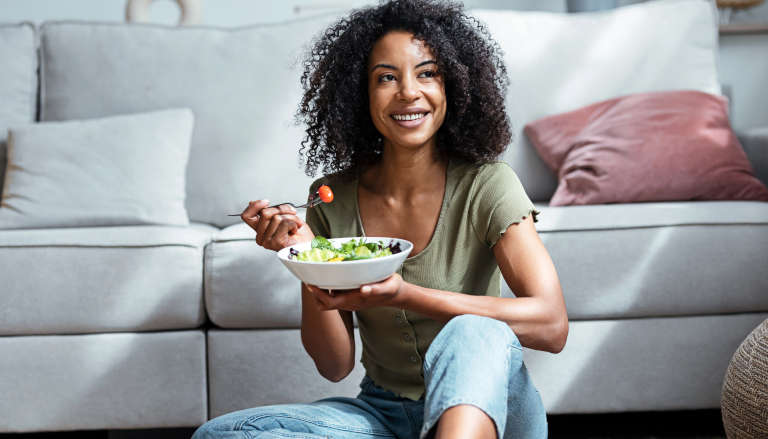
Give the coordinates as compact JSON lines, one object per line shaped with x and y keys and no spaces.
{"x":323,"y":250}
{"x":345,"y":263}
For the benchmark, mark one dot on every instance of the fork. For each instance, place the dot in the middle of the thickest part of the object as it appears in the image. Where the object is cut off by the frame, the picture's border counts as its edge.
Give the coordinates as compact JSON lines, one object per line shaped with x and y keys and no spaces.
{"x":313,"y":201}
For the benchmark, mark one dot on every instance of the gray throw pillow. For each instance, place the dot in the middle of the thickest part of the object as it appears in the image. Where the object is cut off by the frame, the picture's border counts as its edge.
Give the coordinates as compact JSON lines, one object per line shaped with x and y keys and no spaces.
{"x":18,"y":80}
{"x":118,"y":170}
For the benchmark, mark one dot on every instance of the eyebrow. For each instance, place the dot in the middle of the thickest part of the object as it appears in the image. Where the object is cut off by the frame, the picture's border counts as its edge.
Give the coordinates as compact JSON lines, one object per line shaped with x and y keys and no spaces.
{"x":389,"y":66}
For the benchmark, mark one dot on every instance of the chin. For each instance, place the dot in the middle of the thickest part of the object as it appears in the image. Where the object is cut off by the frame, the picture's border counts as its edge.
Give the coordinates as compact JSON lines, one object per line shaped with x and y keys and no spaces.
{"x":412,"y":141}
{"x":412,"y":145}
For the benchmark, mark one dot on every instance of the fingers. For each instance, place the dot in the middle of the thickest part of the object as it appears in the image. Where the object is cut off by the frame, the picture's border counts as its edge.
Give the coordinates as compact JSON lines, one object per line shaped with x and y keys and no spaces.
{"x":275,"y":227}
{"x":315,"y":290}
{"x":284,"y":235}
{"x":382,"y":293}
{"x":324,"y":298}
{"x":265,"y":216}
{"x":371,"y":289}
{"x":276,"y":217}
{"x":250,"y":214}
{"x":345,"y":300}
{"x":389,"y":286}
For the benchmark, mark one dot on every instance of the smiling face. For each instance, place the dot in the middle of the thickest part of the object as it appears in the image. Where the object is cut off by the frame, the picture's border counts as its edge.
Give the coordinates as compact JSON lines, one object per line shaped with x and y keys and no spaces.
{"x":406,"y":92}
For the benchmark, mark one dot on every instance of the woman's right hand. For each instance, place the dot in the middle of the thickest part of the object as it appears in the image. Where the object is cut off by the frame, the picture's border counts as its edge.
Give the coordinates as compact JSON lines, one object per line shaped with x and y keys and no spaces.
{"x":276,"y":227}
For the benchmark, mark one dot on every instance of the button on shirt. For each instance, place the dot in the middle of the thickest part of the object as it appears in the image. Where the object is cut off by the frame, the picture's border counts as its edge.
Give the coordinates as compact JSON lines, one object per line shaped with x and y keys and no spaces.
{"x":480,"y":203}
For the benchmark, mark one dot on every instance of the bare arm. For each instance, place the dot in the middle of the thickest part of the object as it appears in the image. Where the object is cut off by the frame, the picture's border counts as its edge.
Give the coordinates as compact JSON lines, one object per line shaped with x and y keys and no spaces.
{"x":327,"y":336}
{"x":537,"y":314}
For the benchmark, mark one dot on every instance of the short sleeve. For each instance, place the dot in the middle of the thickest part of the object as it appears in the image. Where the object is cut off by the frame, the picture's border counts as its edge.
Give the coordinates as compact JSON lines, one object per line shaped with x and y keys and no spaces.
{"x":498,"y":201}
{"x":315,"y":218}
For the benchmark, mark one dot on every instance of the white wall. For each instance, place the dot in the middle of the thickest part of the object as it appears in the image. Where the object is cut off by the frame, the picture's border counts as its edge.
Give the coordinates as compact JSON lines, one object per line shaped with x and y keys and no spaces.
{"x":743,"y":65}
{"x":755,"y":14}
{"x":743,"y":59}
{"x":219,"y":12}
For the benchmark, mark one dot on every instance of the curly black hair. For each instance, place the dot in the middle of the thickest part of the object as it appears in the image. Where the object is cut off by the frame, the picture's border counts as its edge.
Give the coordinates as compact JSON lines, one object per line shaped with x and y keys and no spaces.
{"x":340,"y":135}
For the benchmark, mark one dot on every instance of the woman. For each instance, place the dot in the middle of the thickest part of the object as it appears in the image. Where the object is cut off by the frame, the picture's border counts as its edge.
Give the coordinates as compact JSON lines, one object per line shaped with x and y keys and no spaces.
{"x":404,"y":105}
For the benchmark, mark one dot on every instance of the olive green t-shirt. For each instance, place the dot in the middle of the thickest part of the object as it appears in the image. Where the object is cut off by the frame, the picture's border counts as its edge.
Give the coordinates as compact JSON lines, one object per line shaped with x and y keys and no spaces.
{"x":480,"y":203}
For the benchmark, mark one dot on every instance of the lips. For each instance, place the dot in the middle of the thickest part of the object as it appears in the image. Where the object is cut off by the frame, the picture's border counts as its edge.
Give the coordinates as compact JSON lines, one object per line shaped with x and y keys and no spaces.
{"x":412,"y":123}
{"x":410,"y":118}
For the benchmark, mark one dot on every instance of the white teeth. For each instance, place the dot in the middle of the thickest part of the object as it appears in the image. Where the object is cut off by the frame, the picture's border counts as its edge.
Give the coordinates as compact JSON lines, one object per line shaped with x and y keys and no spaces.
{"x":408,"y":116}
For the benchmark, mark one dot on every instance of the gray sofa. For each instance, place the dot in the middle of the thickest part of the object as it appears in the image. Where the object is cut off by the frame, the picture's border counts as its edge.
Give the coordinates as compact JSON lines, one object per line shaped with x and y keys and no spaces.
{"x":149,"y":326}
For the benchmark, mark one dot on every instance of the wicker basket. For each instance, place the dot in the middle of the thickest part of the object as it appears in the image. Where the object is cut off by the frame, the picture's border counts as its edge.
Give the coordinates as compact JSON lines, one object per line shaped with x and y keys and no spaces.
{"x":744,"y":401}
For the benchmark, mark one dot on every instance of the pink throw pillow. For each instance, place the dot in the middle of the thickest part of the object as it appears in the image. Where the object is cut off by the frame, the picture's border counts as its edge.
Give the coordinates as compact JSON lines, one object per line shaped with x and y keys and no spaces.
{"x":659,"y":146}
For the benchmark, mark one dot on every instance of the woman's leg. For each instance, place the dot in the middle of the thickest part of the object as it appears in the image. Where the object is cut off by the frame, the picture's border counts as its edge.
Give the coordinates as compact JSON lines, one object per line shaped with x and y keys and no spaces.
{"x":329,"y":418}
{"x":478,"y":361}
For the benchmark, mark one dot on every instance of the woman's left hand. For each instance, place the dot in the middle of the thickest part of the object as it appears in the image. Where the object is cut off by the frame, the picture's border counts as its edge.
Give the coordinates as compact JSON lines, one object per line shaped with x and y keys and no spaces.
{"x":385,"y":293}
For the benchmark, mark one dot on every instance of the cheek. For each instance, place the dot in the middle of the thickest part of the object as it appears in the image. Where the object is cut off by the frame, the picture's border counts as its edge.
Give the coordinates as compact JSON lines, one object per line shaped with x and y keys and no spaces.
{"x":437,"y":96}
{"x":440,"y":103}
{"x":375,"y":113}
{"x":376,"y":106}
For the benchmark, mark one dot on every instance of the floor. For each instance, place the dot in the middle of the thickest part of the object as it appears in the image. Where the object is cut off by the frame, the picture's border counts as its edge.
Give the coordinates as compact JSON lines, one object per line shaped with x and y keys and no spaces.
{"x":696,"y":424}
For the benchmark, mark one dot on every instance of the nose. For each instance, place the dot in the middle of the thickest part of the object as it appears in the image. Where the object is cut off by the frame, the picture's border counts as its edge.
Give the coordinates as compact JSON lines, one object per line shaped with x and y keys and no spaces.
{"x":409,"y":89}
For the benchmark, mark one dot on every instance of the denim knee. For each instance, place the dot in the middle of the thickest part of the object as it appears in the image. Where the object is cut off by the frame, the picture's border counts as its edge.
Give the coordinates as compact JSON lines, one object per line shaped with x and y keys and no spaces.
{"x":232,"y":425}
{"x":472,"y":328}
{"x":207,"y":431}
{"x":483,"y":334}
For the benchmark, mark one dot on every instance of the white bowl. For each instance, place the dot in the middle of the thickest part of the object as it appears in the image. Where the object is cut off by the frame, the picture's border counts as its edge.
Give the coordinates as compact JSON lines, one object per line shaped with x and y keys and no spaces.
{"x":345,"y":275}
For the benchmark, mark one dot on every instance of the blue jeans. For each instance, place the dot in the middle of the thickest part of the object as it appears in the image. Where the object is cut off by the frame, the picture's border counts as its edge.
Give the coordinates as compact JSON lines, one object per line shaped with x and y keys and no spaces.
{"x":473,"y":360}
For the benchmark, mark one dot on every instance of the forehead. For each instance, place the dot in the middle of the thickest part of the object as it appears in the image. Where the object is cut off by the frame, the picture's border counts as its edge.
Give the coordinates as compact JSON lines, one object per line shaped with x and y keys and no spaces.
{"x":400,"y":46}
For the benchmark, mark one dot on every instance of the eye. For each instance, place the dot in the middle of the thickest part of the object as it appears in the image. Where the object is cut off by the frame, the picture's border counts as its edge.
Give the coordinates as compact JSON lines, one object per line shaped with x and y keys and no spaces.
{"x":386,"y":77}
{"x":428,"y":74}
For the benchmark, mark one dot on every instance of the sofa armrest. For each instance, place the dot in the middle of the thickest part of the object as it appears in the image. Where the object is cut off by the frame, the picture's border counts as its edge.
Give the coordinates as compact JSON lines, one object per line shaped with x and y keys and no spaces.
{"x":755,"y":143}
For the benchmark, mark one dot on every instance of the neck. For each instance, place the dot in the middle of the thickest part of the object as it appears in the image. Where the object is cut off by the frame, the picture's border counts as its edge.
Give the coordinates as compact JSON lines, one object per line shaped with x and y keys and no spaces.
{"x":403,"y":172}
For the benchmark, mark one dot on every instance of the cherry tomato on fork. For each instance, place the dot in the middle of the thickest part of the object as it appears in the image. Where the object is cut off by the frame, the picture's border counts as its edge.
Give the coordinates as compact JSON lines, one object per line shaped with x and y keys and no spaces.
{"x":325,"y":193}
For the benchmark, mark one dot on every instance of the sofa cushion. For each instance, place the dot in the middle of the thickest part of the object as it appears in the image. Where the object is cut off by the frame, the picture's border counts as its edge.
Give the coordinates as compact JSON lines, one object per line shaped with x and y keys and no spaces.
{"x":659,"y":259}
{"x":614,"y":261}
{"x":243,"y":85}
{"x":660,"y":146}
{"x":624,"y":365}
{"x":560,"y":62}
{"x":659,"y":214}
{"x":82,"y":280}
{"x":110,"y":171}
{"x":280,"y":358}
{"x":674,"y":363}
{"x":246,"y":286}
{"x":102,"y":381}
{"x":18,"y":81}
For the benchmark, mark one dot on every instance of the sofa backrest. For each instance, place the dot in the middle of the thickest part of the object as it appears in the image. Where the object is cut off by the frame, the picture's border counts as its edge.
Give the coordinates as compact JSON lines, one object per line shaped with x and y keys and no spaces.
{"x":561,"y":62}
{"x":18,"y":81}
{"x":243,"y":85}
